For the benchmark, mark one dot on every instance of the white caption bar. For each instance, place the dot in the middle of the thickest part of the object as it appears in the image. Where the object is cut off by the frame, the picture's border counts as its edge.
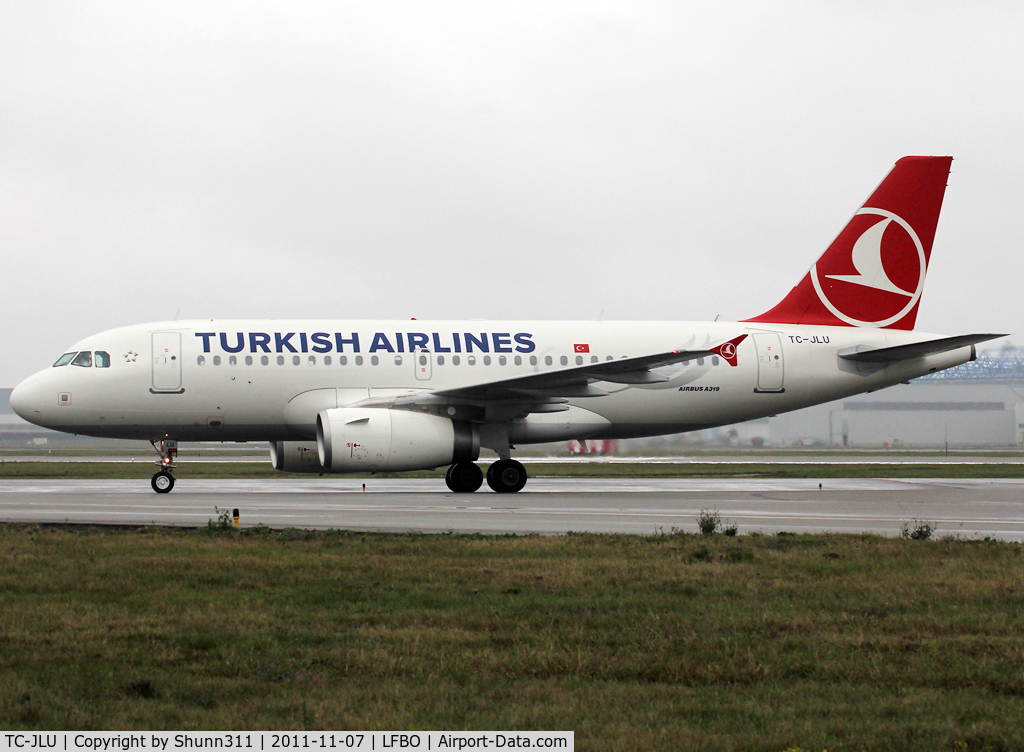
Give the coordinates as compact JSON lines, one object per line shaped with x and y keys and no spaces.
{"x":242,"y":741}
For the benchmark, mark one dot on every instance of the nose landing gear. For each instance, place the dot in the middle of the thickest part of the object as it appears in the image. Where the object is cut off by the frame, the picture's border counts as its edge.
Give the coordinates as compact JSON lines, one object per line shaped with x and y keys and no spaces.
{"x":163,"y":480}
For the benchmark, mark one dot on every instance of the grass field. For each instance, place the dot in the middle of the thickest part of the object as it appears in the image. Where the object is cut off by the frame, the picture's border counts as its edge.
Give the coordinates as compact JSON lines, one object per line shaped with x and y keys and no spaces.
{"x":666,"y":642}
{"x":141,"y":470}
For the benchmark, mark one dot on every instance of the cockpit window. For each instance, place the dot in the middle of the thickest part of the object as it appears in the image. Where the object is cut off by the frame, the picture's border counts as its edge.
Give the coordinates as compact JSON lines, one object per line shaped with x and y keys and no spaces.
{"x":83,"y":359}
{"x":64,"y":359}
{"x":102,"y":359}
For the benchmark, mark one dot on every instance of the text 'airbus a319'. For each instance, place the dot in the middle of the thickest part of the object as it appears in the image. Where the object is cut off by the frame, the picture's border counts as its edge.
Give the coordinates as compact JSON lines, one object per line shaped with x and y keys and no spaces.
{"x":385,"y":396}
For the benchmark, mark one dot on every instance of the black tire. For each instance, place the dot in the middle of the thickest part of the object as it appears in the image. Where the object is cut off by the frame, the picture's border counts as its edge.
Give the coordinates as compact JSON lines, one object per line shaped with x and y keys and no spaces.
{"x":506,"y":476}
{"x":162,"y":482}
{"x":464,"y":477}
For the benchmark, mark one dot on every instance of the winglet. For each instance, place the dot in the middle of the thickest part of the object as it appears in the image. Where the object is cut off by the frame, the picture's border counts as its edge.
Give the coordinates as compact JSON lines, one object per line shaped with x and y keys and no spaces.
{"x":728,"y":349}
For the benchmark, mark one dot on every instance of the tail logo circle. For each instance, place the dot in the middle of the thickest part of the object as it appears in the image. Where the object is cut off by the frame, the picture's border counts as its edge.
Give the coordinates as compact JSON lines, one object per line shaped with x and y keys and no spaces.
{"x":728,"y":350}
{"x":888,"y":264}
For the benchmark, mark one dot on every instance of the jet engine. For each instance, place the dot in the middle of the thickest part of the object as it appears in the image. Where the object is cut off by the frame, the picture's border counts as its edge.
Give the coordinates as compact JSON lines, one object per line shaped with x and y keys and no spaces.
{"x":295,"y":457}
{"x":373,"y":439}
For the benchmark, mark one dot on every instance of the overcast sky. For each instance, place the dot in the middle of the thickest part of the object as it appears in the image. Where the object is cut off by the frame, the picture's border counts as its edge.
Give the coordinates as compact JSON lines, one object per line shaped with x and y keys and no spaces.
{"x":487,"y":160}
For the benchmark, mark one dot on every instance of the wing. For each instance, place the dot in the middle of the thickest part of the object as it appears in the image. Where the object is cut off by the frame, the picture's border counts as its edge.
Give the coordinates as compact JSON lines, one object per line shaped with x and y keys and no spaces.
{"x":576,"y":381}
{"x":546,"y":391}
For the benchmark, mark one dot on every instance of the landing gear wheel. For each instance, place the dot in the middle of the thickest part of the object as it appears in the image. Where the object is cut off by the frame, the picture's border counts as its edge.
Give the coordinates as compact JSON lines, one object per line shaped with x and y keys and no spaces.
{"x":506,"y":476}
{"x":464,"y":477}
{"x":162,"y":482}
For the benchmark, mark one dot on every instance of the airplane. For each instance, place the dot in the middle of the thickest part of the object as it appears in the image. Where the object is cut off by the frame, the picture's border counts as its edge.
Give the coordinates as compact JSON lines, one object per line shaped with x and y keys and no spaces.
{"x":389,"y":396}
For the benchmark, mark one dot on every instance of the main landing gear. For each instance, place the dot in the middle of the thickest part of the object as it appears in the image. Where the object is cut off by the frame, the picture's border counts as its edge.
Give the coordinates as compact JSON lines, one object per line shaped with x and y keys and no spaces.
{"x":503,"y":476}
{"x":163,"y":480}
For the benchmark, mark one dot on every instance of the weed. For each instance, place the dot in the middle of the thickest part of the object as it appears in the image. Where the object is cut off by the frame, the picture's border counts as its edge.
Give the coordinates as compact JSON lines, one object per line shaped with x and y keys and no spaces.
{"x":731,"y":530}
{"x":920,"y":530}
{"x":708,"y":522}
{"x":225,"y":522}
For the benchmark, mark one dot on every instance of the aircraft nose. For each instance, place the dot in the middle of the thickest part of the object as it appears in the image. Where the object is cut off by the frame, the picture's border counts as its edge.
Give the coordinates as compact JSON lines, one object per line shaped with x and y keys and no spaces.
{"x":25,"y":399}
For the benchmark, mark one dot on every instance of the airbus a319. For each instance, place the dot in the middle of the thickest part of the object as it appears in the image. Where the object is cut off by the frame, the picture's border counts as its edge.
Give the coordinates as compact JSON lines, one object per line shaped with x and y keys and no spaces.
{"x":385,"y":396}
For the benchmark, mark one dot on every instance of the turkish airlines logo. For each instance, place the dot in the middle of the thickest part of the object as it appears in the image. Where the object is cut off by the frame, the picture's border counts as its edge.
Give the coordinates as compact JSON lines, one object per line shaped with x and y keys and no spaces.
{"x":581,"y":348}
{"x":873,"y":273}
{"x":728,"y":350}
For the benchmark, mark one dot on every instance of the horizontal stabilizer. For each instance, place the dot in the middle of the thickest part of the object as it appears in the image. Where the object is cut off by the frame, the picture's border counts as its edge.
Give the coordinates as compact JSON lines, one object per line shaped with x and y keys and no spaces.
{"x":915,"y":350}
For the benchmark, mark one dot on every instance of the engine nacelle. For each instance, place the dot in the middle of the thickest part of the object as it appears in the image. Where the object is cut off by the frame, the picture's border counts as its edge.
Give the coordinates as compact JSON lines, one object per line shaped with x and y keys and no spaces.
{"x":295,"y":457}
{"x":375,"y":439}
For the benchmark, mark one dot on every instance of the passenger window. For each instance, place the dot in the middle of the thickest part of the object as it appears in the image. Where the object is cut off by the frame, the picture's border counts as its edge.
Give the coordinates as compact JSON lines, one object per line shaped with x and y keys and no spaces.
{"x":579,"y":360}
{"x":201,"y":360}
{"x":342,"y":360}
{"x":102,"y":359}
{"x":455,"y":360}
{"x":714,"y":360}
{"x":232,"y":361}
{"x":398,"y":360}
{"x":280,"y":360}
{"x":295,"y":360}
{"x":248,"y":360}
{"x":547,"y":360}
{"x":374,"y":360}
{"x":533,"y":360}
{"x":563,"y":360}
{"x":359,"y":360}
{"x":423,"y":360}
{"x":312,"y":360}
{"x":501,"y":360}
{"x":64,"y":359}
{"x":440,"y":360}
{"x":700,"y":361}
{"x":83,"y":359}
{"x":609,"y":358}
{"x":593,"y":358}
{"x":327,"y":360}
{"x":265,"y":360}
{"x":216,"y":360}
{"x":519,"y":360}
{"x":471,"y":359}
{"x":487,"y":360}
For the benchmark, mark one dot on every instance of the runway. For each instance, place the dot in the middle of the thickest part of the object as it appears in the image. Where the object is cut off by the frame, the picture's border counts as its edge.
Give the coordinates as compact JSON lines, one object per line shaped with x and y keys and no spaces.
{"x":968,"y":508}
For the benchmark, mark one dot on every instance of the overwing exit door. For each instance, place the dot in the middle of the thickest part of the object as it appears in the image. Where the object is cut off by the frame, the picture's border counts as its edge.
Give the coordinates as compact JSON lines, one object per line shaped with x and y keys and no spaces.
{"x":167,"y":362}
{"x":771,"y":366}
{"x":424,"y":364}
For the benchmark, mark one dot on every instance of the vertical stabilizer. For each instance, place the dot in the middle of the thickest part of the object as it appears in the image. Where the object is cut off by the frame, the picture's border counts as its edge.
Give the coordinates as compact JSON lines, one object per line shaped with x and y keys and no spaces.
{"x":873,"y":273}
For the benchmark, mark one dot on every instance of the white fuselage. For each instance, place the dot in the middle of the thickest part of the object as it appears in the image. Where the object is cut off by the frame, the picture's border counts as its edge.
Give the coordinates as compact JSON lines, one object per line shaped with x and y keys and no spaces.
{"x":268,"y":379}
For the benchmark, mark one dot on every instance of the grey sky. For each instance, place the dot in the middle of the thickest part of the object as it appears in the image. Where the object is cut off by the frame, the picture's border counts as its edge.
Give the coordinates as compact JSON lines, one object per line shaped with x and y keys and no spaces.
{"x":482,"y":160}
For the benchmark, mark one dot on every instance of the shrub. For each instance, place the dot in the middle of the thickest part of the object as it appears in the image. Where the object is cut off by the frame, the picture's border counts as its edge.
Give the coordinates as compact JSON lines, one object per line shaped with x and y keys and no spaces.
{"x":708,"y":522}
{"x":920,"y":530}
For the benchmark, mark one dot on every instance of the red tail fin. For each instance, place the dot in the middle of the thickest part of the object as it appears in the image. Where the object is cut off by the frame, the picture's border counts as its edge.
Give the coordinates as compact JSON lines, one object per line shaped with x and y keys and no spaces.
{"x":873,"y":273}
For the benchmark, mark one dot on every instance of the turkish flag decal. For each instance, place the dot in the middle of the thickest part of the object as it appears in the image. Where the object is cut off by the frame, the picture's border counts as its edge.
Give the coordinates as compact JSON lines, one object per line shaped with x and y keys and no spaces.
{"x":581,"y":348}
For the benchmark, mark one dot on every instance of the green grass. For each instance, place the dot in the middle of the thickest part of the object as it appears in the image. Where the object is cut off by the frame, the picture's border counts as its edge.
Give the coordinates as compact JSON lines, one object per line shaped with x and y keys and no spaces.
{"x":143,"y":470}
{"x":667,"y":642}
